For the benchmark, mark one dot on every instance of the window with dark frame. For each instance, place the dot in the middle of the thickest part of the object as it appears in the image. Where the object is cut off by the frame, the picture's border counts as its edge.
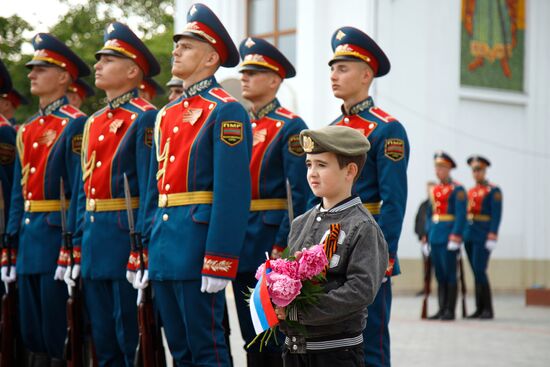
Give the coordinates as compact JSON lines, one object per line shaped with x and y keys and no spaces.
{"x":275,"y":21}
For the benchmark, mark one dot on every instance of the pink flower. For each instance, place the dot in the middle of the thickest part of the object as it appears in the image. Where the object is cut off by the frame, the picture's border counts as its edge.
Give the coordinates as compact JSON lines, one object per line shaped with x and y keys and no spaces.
{"x":312,"y":261}
{"x":285,"y":267}
{"x":260,"y":271}
{"x":282,"y":288}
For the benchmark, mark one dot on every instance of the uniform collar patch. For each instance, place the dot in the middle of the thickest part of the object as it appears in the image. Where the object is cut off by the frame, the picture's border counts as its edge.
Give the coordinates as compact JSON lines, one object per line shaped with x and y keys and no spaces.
{"x":120,"y":100}
{"x":359,"y":107}
{"x":199,"y":87}
{"x":265,"y":110}
{"x":52,"y":107}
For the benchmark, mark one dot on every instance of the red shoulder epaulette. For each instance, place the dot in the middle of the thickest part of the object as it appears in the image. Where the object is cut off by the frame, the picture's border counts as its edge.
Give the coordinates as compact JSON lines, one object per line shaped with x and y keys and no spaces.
{"x":222,"y":95}
{"x":382,"y":115}
{"x":142,"y":104}
{"x":71,"y":111}
{"x":285,"y":113}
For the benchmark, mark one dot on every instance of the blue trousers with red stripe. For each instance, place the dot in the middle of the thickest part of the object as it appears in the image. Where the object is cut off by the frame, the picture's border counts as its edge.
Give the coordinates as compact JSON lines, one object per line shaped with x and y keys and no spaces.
{"x":377,"y":334}
{"x":111,"y":306}
{"x":192,"y":323}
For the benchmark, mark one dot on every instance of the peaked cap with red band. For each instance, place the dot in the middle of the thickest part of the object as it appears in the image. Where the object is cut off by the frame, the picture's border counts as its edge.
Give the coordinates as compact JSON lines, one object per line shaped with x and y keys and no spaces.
{"x":81,"y":88}
{"x":258,"y":54}
{"x":477,"y":160}
{"x":149,"y":85}
{"x":443,"y":158}
{"x":48,"y":50}
{"x":204,"y":25}
{"x":122,"y":42}
{"x":350,"y":43}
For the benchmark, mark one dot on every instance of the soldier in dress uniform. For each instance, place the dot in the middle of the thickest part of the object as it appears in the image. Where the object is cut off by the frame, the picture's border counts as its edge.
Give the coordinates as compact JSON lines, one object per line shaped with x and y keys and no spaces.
{"x":198,"y":205}
{"x":176,"y":88}
{"x":382,"y":186}
{"x":445,"y":221}
{"x":149,"y":89}
{"x":48,"y":149}
{"x":276,"y":156}
{"x":481,"y":234}
{"x":78,"y":92}
{"x":7,"y":141}
{"x":117,"y":140}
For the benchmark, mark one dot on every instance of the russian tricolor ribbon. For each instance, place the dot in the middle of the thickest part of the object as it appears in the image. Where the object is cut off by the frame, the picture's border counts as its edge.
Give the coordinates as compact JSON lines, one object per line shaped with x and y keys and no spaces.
{"x":261,"y":309}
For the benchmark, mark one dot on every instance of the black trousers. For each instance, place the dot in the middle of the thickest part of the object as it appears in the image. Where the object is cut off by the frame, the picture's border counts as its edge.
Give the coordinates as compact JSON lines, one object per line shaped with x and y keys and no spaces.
{"x":345,"y":357}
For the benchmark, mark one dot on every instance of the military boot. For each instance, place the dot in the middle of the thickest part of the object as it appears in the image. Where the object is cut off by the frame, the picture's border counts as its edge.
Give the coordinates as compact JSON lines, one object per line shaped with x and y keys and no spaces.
{"x":449,"y":312}
{"x":487,"y":312}
{"x":441,"y":297}
{"x":479,"y":304}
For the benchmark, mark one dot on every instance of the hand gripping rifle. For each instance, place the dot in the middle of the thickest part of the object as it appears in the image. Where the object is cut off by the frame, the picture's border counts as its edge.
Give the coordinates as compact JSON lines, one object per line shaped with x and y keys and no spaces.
{"x":150,"y":351}
{"x":9,"y":339}
{"x":74,"y":342}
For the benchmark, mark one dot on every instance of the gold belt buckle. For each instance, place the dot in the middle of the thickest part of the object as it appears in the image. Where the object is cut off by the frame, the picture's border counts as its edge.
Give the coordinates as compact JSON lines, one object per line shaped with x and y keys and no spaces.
{"x":163,"y":200}
{"x":92,"y":205}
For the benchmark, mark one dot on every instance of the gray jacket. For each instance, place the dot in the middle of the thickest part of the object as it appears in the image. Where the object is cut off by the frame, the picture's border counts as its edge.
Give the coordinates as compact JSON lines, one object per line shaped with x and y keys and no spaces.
{"x":355,"y":272}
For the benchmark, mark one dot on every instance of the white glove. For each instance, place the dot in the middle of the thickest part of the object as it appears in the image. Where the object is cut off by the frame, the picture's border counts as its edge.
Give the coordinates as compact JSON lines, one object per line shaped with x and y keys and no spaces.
{"x":8,"y":277}
{"x":453,"y":246}
{"x":425,"y":249}
{"x":213,"y":285}
{"x":490,"y":245}
{"x":131,"y":276}
{"x":60,"y":273}
{"x":71,"y":275}
{"x":141,"y":282}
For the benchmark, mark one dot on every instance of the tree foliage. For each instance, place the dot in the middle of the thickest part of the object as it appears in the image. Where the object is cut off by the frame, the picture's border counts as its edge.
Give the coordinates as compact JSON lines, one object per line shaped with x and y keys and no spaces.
{"x":82,"y":28}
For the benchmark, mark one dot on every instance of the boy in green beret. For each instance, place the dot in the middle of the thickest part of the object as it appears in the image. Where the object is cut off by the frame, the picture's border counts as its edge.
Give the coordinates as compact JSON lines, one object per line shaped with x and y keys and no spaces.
{"x":331,"y":330}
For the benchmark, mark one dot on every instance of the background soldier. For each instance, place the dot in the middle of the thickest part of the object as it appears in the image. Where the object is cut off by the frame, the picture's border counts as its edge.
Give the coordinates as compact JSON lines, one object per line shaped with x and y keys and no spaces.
{"x":198,"y":206}
{"x":481,"y":234}
{"x":78,"y":92}
{"x":149,"y":89}
{"x":382,"y":185}
{"x":445,"y":218}
{"x":276,"y":156}
{"x":176,"y":88}
{"x":7,"y":143}
{"x":117,"y":140}
{"x":48,"y":148}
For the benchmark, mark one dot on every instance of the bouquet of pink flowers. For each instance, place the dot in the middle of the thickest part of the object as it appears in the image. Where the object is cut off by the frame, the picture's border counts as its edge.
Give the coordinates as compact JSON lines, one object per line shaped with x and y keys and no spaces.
{"x":294,"y":280}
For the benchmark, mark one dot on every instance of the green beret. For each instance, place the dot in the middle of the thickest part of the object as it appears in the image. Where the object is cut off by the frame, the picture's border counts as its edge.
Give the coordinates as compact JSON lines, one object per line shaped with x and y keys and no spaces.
{"x":336,"y":139}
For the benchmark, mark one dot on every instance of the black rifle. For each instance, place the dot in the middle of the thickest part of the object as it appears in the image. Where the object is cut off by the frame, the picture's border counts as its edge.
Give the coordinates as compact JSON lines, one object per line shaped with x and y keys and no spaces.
{"x":74,"y":342}
{"x":8,"y":328}
{"x":150,"y":350}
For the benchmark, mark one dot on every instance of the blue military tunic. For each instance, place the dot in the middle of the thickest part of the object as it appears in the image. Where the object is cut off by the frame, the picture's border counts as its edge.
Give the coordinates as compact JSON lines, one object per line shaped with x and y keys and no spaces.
{"x":117,"y":140}
{"x":48,"y":148}
{"x":382,"y":185}
{"x":276,"y":157}
{"x":446,"y":216}
{"x":484,"y":212}
{"x":198,"y":209}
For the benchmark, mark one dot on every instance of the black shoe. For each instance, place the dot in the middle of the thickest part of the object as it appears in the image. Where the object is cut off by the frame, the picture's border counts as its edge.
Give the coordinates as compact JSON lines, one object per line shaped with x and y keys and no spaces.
{"x":442,"y":300}
{"x":435,"y":316}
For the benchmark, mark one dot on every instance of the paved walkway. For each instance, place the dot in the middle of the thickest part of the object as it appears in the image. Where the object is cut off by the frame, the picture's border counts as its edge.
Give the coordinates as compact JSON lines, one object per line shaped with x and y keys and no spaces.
{"x":519,"y":336}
